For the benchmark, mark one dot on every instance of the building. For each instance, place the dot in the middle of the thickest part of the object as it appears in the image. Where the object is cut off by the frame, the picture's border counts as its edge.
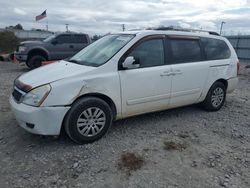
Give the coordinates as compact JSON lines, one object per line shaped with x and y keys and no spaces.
{"x":30,"y":34}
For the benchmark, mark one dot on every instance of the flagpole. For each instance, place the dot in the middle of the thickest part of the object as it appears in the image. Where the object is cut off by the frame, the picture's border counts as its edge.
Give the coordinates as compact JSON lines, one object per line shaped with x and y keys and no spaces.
{"x":47,"y":25}
{"x":42,"y":16}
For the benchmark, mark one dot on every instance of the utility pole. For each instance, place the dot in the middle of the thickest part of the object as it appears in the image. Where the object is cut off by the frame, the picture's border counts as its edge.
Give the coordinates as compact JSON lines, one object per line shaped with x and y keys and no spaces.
{"x":221,"y":26}
{"x":123,"y":27}
{"x":67,"y":27}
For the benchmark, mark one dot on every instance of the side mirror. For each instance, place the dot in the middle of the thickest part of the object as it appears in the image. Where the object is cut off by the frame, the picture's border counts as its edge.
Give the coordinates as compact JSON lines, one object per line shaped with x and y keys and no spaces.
{"x":54,"y":42}
{"x":130,"y":63}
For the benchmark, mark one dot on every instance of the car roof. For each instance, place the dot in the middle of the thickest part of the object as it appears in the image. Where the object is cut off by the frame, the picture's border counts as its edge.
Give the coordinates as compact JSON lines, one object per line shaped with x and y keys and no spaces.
{"x":70,"y":33}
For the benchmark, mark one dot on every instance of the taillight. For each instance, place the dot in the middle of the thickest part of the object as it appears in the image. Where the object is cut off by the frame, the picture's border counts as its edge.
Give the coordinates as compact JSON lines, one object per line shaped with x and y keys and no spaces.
{"x":238,"y":68}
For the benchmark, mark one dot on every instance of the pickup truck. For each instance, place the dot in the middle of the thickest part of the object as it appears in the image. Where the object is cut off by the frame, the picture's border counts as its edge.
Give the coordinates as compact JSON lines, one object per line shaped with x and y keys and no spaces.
{"x":55,"y":47}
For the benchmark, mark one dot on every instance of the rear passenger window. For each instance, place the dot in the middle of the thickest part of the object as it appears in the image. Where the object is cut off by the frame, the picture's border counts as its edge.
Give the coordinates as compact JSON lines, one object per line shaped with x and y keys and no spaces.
{"x":185,"y":50}
{"x":80,"y":39}
{"x":215,"y":49}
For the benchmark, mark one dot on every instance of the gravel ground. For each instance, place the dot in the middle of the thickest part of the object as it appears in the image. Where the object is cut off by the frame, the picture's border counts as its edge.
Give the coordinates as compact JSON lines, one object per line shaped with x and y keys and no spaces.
{"x":184,"y":147}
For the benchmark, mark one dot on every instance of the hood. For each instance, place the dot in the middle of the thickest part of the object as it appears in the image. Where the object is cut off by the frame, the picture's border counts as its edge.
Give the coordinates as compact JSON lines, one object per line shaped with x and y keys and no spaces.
{"x":31,"y":43}
{"x":52,"y":72}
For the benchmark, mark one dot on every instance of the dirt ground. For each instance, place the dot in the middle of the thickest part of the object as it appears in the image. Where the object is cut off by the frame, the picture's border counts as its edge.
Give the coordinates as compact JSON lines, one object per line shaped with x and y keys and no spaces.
{"x":184,"y":147}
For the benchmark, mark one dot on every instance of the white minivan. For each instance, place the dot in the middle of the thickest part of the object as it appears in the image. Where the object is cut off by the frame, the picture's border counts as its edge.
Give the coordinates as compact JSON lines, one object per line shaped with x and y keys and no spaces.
{"x":122,"y":75}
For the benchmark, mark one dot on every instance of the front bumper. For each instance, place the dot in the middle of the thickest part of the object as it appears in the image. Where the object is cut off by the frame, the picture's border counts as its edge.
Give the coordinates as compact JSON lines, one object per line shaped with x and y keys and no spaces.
{"x":46,"y":120}
{"x":21,"y":57}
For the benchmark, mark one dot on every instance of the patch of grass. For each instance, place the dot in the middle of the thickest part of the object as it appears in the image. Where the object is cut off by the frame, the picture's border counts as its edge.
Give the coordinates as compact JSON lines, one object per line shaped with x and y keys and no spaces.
{"x":130,"y":162}
{"x":171,"y":145}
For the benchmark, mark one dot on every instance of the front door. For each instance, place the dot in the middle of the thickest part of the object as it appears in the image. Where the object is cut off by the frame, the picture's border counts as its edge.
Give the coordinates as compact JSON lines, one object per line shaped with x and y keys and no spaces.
{"x":64,"y":47}
{"x":146,"y":88}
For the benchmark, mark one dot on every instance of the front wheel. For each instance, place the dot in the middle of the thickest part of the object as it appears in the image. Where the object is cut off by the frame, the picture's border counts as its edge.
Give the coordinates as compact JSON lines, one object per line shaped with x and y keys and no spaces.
{"x":88,"y":120}
{"x":216,"y":97}
{"x":35,"y":61}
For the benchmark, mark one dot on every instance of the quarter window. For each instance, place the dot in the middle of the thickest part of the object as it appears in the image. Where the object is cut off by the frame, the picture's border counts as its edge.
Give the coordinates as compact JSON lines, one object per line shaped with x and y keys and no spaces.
{"x":185,"y":50}
{"x":149,"y":53}
{"x":80,"y":39}
{"x":215,"y":49}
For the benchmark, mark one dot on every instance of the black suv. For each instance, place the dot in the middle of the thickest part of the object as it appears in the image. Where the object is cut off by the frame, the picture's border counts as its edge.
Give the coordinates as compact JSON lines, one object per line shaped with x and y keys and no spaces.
{"x":55,"y":47}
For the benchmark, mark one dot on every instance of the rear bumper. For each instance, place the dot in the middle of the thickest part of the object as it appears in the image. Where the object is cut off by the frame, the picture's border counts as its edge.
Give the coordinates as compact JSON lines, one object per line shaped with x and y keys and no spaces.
{"x":232,"y":84}
{"x":39,"y":120}
{"x":21,"y":57}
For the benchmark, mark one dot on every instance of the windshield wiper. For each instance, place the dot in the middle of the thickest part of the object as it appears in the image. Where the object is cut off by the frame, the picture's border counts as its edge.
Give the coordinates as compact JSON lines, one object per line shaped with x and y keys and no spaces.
{"x":82,"y":63}
{"x":74,"y":61}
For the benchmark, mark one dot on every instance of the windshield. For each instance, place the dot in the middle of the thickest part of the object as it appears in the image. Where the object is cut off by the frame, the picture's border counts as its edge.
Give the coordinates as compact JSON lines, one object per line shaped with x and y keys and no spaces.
{"x":102,"y":50}
{"x":49,"y":38}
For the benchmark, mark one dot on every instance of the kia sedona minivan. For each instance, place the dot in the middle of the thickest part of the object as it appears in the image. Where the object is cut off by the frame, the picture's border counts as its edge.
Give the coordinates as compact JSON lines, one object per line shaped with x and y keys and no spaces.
{"x":123,"y":75}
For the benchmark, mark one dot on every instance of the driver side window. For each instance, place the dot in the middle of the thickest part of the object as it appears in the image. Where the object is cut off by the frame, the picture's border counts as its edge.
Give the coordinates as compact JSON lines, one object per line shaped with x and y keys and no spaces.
{"x":149,"y":53}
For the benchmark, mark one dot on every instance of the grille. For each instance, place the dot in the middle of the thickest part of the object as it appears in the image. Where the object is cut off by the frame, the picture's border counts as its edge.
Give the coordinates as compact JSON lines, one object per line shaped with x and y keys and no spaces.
{"x":17,"y":95}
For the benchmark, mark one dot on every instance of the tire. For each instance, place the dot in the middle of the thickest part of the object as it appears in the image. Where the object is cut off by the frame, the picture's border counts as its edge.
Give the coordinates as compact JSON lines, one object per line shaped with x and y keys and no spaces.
{"x":27,"y":64}
{"x":215,"y":98}
{"x":85,"y":117}
{"x":35,"y":61}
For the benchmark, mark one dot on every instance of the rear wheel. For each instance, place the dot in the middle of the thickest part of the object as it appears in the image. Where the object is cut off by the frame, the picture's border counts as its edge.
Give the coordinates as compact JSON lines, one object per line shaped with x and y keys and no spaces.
{"x":35,"y":61}
{"x":88,"y":120}
{"x":216,"y":97}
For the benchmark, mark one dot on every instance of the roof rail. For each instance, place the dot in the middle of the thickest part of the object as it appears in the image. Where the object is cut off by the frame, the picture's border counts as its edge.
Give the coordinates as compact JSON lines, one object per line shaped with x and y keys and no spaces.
{"x":187,"y":30}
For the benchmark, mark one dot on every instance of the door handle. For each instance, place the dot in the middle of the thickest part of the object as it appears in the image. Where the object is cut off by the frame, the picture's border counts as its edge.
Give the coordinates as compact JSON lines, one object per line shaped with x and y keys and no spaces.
{"x":71,"y":46}
{"x":166,"y":73}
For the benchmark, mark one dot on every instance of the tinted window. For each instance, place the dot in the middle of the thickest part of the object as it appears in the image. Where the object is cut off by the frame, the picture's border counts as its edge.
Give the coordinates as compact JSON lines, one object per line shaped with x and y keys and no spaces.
{"x":80,"y":39}
{"x":185,"y":50}
{"x":64,"y":39}
{"x":215,"y":49}
{"x":149,"y":53}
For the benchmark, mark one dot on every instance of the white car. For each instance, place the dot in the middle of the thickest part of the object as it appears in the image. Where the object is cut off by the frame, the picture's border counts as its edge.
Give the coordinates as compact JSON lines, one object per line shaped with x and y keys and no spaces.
{"x":123,"y":75}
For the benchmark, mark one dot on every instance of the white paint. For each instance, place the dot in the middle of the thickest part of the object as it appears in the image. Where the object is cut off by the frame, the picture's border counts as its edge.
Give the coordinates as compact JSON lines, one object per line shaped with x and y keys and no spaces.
{"x":133,"y":91}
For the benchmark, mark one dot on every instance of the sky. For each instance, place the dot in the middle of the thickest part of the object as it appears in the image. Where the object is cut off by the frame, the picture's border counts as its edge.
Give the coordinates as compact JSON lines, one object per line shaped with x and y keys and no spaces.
{"x":103,"y":16}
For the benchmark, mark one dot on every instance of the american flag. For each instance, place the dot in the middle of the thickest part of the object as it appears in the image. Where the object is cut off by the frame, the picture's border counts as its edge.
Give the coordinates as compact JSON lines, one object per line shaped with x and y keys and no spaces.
{"x":41,"y":16}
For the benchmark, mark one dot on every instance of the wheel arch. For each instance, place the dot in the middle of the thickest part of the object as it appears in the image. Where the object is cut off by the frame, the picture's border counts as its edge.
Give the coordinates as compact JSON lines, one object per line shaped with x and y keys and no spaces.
{"x":38,"y":51}
{"x":224,"y":81}
{"x":105,"y":98}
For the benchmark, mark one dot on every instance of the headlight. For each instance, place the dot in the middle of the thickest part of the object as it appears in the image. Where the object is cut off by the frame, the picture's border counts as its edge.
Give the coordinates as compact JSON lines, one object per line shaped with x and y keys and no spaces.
{"x":36,"y":96}
{"x":22,"y":48}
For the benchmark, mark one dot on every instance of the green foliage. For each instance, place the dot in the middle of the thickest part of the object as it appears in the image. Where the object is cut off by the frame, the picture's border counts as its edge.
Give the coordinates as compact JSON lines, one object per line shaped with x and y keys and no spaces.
{"x":8,"y":42}
{"x":18,"y":27}
{"x":96,"y":37}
